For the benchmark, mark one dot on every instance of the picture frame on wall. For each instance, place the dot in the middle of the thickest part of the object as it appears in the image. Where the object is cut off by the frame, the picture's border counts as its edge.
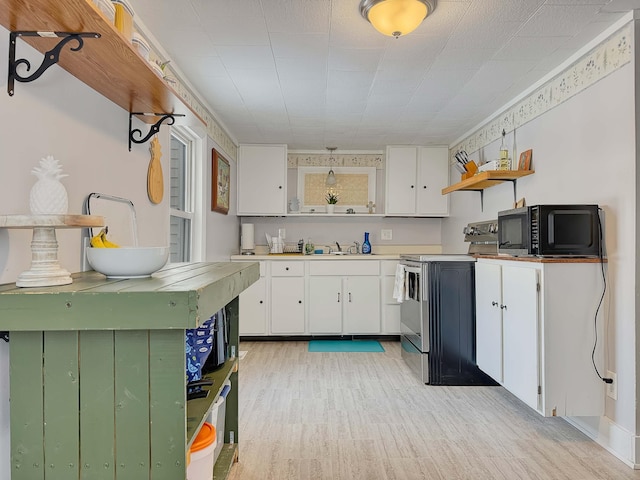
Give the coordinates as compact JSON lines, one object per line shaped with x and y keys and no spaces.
{"x":220,"y":183}
{"x":525,"y":160}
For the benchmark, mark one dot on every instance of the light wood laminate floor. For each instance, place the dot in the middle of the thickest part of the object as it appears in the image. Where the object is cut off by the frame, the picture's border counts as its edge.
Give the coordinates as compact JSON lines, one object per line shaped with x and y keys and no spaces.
{"x":365,"y":416}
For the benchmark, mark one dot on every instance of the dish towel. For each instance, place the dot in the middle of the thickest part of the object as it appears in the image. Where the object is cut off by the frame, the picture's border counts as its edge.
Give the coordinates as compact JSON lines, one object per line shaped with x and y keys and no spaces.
{"x":399,"y":286}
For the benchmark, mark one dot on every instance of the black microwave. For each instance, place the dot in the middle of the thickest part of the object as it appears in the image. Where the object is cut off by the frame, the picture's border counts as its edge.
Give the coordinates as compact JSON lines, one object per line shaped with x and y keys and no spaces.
{"x":550,"y":230}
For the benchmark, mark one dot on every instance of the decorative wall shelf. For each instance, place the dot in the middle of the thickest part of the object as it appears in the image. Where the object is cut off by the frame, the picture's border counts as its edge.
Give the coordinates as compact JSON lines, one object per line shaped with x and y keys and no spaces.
{"x":491,"y":178}
{"x":109,"y":64}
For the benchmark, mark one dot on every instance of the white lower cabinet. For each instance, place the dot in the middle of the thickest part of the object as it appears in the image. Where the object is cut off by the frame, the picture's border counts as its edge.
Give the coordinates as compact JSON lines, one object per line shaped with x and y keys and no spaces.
{"x":344,"y":297}
{"x":489,"y":319}
{"x":325,"y":305}
{"x":344,"y":305}
{"x":253,"y":309}
{"x":321,"y":297}
{"x":362,"y":305}
{"x":287,"y":298}
{"x":535,"y":333}
{"x":520,"y":333}
{"x":253,"y":319}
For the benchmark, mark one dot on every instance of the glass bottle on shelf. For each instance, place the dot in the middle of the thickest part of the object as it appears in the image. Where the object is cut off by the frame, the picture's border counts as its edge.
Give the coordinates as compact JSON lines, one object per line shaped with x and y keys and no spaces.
{"x":504,"y":163}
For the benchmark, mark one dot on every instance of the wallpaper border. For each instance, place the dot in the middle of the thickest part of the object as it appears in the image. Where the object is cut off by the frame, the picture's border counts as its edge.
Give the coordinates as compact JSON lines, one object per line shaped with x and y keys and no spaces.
{"x":605,"y":58}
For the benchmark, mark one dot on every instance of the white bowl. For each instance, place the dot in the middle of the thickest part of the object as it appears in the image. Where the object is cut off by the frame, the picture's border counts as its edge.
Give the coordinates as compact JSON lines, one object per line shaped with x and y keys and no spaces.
{"x":127,"y":262}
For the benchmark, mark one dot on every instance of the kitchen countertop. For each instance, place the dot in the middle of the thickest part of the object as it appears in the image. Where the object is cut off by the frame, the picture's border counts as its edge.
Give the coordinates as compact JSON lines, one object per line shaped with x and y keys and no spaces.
{"x":543,"y":259}
{"x":299,"y":256}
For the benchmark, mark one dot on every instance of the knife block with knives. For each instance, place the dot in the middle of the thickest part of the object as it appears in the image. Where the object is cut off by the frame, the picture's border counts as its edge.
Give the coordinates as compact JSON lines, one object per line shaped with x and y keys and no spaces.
{"x":471,"y":169}
{"x":466,"y":167}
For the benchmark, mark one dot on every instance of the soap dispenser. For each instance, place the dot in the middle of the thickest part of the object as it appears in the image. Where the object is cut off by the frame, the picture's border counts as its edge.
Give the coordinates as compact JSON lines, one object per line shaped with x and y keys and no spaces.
{"x":366,"y":246}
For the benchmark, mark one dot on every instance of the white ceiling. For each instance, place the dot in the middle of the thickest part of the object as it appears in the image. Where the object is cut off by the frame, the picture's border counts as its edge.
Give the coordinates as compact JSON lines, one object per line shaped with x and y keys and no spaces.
{"x":313,"y":73}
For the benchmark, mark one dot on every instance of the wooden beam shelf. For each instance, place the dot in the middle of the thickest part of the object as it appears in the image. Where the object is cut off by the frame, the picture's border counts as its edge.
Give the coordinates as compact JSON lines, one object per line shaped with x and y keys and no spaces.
{"x":109,"y":64}
{"x":487,"y":179}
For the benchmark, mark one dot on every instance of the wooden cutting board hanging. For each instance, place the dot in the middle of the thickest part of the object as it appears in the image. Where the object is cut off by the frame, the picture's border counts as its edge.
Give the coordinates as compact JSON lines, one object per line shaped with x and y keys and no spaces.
{"x":155,"y":180}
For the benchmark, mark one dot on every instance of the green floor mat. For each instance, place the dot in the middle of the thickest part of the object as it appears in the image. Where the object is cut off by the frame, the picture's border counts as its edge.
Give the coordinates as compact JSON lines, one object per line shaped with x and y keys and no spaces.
{"x":345,"y":346}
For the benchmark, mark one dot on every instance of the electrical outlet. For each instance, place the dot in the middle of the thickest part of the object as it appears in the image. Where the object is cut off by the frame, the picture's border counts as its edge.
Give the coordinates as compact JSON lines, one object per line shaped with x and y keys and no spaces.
{"x":386,"y":234}
{"x":612,"y":388}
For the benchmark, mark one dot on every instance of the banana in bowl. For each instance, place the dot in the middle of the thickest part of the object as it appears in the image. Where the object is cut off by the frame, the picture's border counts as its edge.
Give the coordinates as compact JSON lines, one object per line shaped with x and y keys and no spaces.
{"x":127,"y":262}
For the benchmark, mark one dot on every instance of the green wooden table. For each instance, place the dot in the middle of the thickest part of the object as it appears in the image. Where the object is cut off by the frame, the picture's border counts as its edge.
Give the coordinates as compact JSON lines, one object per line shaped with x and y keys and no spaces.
{"x":97,"y":382}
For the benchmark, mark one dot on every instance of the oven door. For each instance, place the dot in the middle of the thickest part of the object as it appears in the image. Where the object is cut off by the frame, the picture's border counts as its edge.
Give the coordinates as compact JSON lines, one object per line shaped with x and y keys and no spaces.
{"x":414,"y":318}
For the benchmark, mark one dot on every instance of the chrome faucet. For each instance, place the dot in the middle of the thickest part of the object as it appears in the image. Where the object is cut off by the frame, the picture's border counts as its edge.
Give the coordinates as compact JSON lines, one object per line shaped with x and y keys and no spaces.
{"x":355,"y":248}
{"x":339,"y":247}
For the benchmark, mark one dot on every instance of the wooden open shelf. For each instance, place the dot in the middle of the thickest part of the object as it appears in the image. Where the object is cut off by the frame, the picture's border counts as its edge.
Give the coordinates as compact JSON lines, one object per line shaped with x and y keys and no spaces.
{"x":487,"y":179}
{"x":110,"y":64}
{"x":199,"y":408}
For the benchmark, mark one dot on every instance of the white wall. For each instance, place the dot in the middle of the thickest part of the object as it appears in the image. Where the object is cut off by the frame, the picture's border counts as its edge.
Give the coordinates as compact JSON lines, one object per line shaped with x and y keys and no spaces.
{"x":584,"y":152}
{"x":222,"y":231}
{"x":324,"y":230}
{"x":58,"y":115}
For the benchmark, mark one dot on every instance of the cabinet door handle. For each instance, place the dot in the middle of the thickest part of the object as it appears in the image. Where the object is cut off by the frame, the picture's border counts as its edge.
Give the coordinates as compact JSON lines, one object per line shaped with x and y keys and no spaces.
{"x":424,"y":186}
{"x":349,"y":297}
{"x":299,"y":301}
{"x":503,"y":307}
{"x":286,"y":268}
{"x":411,"y":186}
{"x":494,"y":304}
{"x":338,"y":297}
{"x":280,"y":187}
{"x":260,"y":301}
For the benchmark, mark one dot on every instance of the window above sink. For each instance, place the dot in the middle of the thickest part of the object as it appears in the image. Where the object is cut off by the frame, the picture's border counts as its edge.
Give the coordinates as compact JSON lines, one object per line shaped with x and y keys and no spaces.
{"x":355,"y":188}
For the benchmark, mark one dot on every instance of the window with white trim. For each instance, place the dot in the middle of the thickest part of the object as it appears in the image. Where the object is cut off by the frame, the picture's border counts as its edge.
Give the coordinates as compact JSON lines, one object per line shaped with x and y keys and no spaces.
{"x":184,"y":196}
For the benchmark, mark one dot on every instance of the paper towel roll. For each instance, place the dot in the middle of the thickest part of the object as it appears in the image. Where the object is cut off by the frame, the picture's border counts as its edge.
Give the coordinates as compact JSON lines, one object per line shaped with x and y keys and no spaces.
{"x":246,"y":237}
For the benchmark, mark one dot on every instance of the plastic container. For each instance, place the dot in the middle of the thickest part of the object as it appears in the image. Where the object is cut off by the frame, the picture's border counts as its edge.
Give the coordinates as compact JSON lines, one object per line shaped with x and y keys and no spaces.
{"x":141,"y":45}
{"x":124,"y":18}
{"x":107,"y":8}
{"x":218,"y":415}
{"x":201,"y":454}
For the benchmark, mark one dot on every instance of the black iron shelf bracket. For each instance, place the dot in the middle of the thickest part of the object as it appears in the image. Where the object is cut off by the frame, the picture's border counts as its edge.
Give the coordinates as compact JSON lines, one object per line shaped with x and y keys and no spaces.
{"x":155,"y":128}
{"x":50,"y":58}
{"x":514,"y":182}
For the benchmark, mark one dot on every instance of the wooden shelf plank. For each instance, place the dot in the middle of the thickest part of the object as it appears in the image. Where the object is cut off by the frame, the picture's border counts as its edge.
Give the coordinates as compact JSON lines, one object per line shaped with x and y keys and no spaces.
{"x":110,"y":65}
{"x":228,"y":456}
{"x":199,"y":408}
{"x":486,"y":179}
{"x":53,"y":221}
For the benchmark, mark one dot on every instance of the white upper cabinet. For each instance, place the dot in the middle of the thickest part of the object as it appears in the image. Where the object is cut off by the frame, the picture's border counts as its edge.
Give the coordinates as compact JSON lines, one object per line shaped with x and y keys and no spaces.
{"x":415,"y":177}
{"x":262,"y":180}
{"x":401,"y":168}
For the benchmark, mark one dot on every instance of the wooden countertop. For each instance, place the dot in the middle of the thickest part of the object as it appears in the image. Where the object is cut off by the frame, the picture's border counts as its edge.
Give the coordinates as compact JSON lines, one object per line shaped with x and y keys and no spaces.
{"x":541,"y":259}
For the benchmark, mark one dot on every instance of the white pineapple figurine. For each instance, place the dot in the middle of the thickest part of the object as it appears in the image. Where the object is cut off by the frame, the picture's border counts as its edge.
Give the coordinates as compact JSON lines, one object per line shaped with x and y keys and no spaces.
{"x":48,"y":196}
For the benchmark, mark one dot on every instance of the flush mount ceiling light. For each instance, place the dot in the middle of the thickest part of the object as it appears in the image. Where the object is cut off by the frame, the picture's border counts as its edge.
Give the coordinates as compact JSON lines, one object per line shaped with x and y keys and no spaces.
{"x":331,"y":177}
{"x":396,"y":17}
